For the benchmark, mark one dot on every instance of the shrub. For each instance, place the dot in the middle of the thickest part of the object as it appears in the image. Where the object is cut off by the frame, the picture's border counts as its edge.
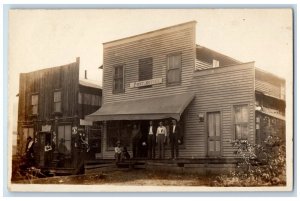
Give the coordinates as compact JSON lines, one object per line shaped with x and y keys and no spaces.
{"x":258,"y":165}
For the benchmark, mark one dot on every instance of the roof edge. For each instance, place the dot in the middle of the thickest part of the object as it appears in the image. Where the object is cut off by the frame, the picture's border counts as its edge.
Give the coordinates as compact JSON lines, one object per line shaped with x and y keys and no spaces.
{"x":139,"y":36}
{"x":269,"y":73}
{"x":200,"y":46}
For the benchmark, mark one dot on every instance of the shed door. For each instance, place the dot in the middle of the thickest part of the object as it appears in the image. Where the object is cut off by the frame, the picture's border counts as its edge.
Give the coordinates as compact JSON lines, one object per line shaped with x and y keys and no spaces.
{"x":214,"y":134}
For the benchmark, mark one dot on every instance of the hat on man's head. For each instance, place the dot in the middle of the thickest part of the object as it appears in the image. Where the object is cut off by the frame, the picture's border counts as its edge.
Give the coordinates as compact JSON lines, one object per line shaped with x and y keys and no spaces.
{"x":29,"y":138}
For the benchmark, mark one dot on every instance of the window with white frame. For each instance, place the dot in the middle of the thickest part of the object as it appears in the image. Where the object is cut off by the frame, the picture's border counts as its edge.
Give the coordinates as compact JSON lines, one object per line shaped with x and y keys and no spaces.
{"x":241,"y":122}
{"x":174,"y":68}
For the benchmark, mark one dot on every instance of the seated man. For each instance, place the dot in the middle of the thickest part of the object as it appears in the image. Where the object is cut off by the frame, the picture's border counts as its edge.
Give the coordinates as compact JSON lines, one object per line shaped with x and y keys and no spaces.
{"x":118,"y":152}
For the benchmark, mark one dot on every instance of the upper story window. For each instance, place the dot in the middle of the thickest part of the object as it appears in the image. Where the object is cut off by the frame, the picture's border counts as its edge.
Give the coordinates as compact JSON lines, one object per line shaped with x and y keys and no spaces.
{"x":145,"y":69}
{"x":118,"y":79}
{"x":216,"y":63}
{"x":57,"y":101}
{"x":174,"y":68}
{"x":241,"y":121}
{"x":34,"y":103}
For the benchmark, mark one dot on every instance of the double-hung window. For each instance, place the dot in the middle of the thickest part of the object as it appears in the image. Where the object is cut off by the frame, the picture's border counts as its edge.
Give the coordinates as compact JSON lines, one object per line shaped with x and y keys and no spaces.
{"x":241,"y":122}
{"x":57,"y":101}
{"x":174,"y":69}
{"x":145,"y":70}
{"x":34,"y":104}
{"x":118,"y":79}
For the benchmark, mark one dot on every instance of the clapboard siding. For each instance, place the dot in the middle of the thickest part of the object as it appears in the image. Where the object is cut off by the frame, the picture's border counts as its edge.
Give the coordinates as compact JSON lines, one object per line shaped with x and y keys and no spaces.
{"x":268,"y":88}
{"x":218,"y":91}
{"x":128,"y":54}
{"x":201,"y":65}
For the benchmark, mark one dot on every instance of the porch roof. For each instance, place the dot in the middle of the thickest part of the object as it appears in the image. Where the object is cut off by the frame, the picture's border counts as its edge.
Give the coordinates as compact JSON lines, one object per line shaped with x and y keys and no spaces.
{"x":162,"y":107}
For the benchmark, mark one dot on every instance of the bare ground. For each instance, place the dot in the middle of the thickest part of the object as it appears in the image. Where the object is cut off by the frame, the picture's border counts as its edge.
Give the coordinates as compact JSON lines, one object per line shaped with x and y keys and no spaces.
{"x":127,"y":177}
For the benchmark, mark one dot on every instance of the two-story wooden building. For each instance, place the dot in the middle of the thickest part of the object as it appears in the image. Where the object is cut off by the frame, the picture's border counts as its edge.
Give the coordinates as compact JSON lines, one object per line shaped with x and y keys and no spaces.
{"x":52,"y":106}
{"x":164,"y":74}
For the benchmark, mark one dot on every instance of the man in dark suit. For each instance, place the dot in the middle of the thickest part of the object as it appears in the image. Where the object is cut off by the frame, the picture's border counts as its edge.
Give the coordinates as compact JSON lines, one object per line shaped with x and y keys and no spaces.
{"x":175,"y":139}
{"x":151,"y":140}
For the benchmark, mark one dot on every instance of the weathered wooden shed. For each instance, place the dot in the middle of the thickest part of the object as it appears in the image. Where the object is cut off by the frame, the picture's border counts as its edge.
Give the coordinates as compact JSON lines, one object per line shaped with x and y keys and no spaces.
{"x":52,"y":106}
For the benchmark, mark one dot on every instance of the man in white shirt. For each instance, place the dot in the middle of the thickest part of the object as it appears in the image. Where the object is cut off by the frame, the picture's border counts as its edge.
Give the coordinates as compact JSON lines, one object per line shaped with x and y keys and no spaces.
{"x":151,"y":141}
{"x":161,"y":136}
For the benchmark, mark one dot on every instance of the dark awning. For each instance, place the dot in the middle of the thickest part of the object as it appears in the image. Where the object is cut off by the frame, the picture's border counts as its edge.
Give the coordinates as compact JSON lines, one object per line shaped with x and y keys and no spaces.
{"x":144,"y":109}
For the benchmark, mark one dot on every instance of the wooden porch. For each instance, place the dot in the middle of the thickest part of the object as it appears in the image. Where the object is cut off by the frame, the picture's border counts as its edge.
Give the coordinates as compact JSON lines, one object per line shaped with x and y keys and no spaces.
{"x":184,"y":165}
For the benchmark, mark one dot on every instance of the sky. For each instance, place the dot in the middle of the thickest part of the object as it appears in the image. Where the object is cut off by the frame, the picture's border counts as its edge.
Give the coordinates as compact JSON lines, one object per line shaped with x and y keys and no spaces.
{"x":48,"y":38}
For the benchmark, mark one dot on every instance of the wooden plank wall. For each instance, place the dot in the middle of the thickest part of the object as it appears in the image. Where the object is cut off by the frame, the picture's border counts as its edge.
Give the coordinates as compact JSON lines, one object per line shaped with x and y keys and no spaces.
{"x":268,"y":88}
{"x":200,"y":65}
{"x":218,"y":89}
{"x":269,"y":84}
{"x":44,"y":82}
{"x":181,"y":40}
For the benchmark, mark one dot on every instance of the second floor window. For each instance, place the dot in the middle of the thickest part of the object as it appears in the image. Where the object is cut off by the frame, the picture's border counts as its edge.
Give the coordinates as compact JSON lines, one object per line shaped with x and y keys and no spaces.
{"x":57,"y":101}
{"x":174,"y":69}
{"x":241,"y":119}
{"x":145,"y":69}
{"x":34,"y":104}
{"x":118,"y":79}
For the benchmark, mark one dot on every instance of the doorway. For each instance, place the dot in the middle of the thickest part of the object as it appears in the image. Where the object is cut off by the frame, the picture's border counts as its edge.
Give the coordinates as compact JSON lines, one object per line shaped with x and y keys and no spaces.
{"x":45,"y":157}
{"x":214,"y":134}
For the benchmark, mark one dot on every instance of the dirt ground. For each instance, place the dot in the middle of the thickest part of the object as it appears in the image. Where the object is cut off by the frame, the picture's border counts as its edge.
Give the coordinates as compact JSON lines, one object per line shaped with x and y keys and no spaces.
{"x":127,"y":177}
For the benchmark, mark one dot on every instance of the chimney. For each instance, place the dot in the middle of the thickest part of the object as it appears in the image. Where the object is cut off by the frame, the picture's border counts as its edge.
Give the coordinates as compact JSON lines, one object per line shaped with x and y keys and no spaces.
{"x":85,"y":74}
{"x":78,"y":60}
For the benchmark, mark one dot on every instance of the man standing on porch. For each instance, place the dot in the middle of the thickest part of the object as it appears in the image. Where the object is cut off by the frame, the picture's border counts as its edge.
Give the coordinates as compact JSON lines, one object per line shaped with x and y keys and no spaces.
{"x":151,"y":141}
{"x":161,"y":136}
{"x":174,"y":139}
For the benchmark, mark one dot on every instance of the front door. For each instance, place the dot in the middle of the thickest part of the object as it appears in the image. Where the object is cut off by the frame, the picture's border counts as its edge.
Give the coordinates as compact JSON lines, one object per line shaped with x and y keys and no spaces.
{"x":44,"y":138}
{"x":214,"y":134}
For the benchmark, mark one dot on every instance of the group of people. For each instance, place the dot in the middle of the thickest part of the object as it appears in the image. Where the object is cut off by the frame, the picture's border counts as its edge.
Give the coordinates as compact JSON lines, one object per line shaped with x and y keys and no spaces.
{"x":162,"y":135}
{"x":156,"y":136}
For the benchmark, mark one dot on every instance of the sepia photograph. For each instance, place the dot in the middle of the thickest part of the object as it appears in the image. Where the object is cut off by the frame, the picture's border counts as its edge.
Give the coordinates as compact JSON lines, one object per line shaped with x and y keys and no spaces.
{"x":141,"y":100}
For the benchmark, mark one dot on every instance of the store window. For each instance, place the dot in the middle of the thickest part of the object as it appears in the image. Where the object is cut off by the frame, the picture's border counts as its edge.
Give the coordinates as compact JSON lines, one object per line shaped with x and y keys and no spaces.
{"x":57,"y":101}
{"x":64,"y":139}
{"x":118,"y":79}
{"x":118,"y":130}
{"x":174,"y":69}
{"x":241,"y":121}
{"x":34,"y":104}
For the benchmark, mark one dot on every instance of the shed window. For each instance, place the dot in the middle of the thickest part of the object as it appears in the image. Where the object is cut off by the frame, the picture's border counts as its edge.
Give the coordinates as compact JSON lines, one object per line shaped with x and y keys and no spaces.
{"x":118,"y":76}
{"x":57,"y":101}
{"x":174,"y":69}
{"x":64,"y":137}
{"x":241,"y":121}
{"x":34,"y":103}
{"x":145,"y":69}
